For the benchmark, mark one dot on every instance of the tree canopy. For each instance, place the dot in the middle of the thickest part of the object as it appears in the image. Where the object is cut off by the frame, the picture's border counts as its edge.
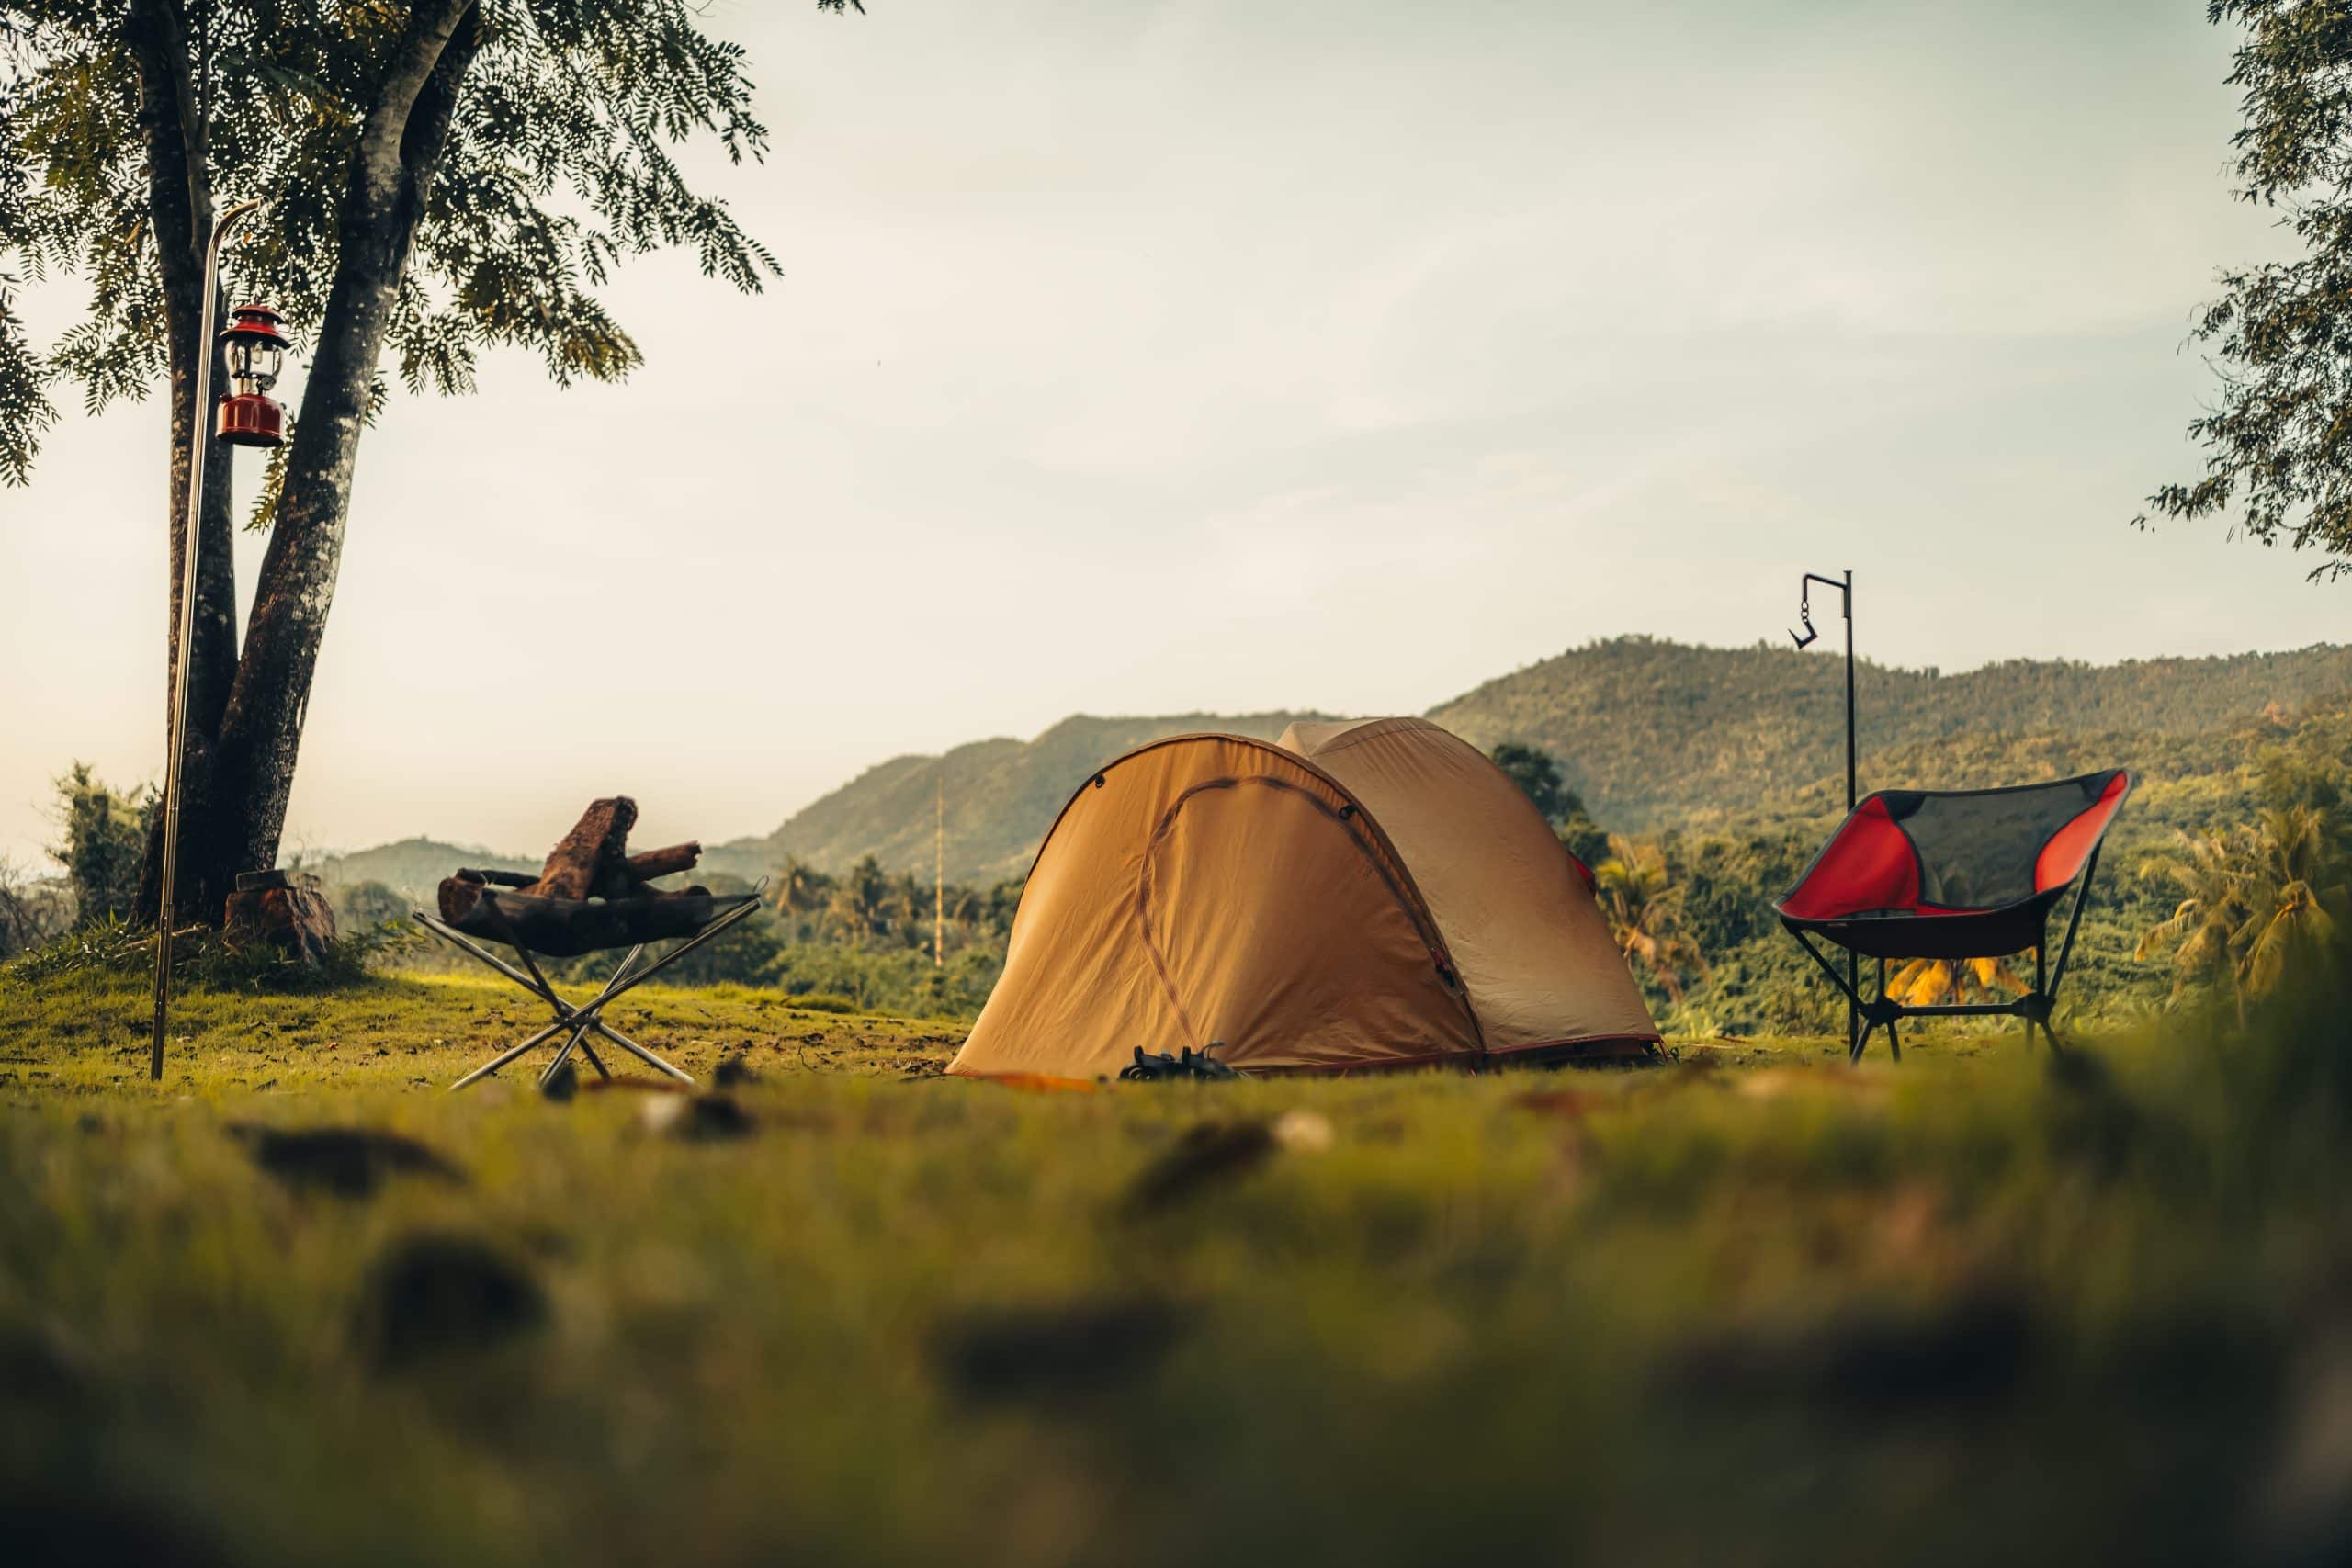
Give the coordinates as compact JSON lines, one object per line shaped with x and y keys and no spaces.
{"x":558,"y":163}
{"x":442,"y":177}
{"x":2278,"y":438}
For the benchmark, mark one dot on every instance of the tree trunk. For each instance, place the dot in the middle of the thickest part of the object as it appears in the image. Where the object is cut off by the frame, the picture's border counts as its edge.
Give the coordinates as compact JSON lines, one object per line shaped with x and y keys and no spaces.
{"x":180,"y":208}
{"x":233,"y":799}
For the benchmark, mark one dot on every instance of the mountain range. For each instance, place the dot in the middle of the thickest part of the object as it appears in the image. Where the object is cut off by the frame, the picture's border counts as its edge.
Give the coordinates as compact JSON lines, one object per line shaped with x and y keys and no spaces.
{"x":1653,"y":734}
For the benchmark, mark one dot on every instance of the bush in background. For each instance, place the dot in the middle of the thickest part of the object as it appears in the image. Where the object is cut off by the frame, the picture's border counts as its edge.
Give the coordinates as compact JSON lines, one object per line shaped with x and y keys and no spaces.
{"x":104,"y":834}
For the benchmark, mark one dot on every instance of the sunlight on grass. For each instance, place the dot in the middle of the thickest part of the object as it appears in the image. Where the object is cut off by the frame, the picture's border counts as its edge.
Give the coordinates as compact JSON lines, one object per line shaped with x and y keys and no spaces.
{"x":1926,"y":1311}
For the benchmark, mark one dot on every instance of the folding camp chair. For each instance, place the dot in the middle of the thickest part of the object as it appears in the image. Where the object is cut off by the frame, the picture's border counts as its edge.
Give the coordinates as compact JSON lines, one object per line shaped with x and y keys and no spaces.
{"x":559,"y":927}
{"x":1954,"y":873}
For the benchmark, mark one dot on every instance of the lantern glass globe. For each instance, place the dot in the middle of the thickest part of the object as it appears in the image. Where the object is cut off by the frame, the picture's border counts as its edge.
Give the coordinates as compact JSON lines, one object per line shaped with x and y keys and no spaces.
{"x":254,"y":363}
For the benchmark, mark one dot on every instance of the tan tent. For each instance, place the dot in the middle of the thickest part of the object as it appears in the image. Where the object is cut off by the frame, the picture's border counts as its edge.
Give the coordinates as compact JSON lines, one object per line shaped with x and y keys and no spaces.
{"x":1360,"y":896}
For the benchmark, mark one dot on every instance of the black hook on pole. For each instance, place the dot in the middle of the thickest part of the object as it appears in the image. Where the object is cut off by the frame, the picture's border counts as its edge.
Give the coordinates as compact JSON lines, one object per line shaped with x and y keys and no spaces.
{"x":1845,"y":586}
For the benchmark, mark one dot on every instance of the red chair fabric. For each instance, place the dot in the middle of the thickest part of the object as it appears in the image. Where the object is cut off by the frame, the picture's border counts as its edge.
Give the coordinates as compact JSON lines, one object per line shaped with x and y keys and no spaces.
{"x":1950,"y":874}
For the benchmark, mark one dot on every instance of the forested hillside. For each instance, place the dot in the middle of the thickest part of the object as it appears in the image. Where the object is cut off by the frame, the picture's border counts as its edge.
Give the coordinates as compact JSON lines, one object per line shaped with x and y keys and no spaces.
{"x":1655,"y":735}
{"x":1723,"y":765}
{"x":1000,"y":796}
{"x":412,"y":867}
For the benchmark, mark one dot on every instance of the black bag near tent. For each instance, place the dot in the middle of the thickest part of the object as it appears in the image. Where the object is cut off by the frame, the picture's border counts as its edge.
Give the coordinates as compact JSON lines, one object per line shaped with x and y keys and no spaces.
{"x":1955,"y":873}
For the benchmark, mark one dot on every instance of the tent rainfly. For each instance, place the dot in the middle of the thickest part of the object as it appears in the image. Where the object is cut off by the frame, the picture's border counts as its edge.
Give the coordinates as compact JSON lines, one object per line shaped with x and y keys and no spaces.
{"x":1357,"y":896}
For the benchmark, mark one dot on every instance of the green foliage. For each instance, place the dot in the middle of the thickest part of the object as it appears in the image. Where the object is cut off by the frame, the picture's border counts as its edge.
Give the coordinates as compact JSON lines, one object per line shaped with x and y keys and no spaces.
{"x":558,"y":165}
{"x":2278,"y":446}
{"x":1658,"y":735}
{"x":413,"y":868}
{"x":1536,"y":774}
{"x":1538,"y":777}
{"x":1949,"y":1296}
{"x":115,"y":951}
{"x":867,"y":907}
{"x":1001,"y":796}
{"x":1643,"y":904}
{"x":2259,"y":899}
{"x":367,"y":907}
{"x":33,"y":910}
{"x":901,"y":982}
{"x":1652,"y":735}
{"x":104,"y":834}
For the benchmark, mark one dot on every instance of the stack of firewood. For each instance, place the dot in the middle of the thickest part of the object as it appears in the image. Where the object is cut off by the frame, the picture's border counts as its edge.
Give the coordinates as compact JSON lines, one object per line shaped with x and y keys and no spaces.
{"x":593,"y":861}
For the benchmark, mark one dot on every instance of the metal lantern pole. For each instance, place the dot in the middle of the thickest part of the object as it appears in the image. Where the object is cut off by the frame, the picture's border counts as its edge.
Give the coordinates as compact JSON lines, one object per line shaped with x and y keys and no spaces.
{"x":1845,"y":587}
{"x":200,"y":432}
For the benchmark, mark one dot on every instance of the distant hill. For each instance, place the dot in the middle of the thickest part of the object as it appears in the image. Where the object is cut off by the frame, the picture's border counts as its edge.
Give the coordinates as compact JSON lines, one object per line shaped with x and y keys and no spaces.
{"x":1653,"y":734}
{"x":412,"y":867}
{"x":1002,"y":795}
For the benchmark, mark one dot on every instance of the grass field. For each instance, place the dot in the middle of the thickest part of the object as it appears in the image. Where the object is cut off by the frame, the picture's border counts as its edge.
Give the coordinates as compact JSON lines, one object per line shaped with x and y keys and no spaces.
{"x":1748,"y":1307}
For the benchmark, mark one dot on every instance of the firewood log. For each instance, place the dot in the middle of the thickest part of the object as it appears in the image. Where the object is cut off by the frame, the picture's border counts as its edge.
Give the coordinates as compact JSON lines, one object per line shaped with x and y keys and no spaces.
{"x":590,"y":853}
{"x":645,"y":867}
{"x":458,"y":894}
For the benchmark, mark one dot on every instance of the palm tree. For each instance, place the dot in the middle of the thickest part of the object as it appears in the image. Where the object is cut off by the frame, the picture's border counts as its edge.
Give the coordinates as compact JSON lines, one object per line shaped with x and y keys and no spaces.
{"x":799,"y":886}
{"x":1644,"y":909}
{"x":860,"y":907}
{"x":2253,"y":896}
{"x":966,"y":907}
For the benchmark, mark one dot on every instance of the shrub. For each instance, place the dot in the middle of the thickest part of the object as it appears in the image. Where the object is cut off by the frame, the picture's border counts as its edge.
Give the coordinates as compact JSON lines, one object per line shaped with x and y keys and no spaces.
{"x":105,"y":835}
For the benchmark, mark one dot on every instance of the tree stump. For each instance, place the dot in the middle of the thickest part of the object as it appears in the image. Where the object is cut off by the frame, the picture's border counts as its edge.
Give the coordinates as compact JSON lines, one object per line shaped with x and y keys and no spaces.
{"x":273,"y":907}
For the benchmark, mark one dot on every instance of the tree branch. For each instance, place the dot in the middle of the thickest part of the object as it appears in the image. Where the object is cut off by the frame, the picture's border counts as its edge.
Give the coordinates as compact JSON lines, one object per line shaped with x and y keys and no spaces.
{"x":179,"y":177}
{"x":415,"y":59}
{"x":383,"y":205}
{"x":180,"y":213}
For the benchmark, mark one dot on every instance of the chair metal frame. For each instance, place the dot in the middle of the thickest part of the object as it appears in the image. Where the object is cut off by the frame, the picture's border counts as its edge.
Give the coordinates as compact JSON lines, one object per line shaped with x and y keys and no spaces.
{"x":2035,"y":1006}
{"x":576,"y":1024}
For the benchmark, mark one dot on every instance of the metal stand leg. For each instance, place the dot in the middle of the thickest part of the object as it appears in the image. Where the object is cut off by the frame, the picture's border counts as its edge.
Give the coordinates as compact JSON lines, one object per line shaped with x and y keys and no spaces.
{"x":577,"y":1023}
{"x":492,"y":1065}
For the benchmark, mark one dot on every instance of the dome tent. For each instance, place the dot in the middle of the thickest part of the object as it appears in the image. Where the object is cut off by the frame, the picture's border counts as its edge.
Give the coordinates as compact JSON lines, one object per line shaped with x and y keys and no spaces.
{"x":1358,"y":896}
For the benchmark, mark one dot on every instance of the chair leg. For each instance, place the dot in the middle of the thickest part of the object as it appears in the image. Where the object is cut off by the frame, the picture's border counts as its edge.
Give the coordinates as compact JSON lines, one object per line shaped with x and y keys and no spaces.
{"x":1894,"y":1040}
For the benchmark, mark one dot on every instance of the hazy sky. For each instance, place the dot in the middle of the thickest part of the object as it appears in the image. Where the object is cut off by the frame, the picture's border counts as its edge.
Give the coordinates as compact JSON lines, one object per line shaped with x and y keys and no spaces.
{"x":1219,"y":355}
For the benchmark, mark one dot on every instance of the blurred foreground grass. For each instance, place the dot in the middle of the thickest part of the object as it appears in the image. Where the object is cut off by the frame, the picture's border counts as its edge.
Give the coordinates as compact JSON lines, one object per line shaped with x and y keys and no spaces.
{"x":1745,"y":1308}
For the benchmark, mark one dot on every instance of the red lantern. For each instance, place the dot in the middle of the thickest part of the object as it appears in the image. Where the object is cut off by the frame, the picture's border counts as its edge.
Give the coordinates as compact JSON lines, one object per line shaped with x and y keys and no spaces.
{"x":254,"y":349}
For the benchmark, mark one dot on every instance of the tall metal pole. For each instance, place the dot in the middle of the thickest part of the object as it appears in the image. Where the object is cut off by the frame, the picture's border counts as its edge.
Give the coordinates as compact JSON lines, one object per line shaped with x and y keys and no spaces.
{"x":1853,"y":963}
{"x":191,"y":529}
{"x":939,"y":871}
{"x":1850,"y":689}
{"x":1845,"y":586}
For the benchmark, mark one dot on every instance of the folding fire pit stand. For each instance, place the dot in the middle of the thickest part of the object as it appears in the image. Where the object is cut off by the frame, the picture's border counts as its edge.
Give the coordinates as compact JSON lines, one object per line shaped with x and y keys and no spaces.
{"x":575,"y":1024}
{"x":1917,"y":874}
